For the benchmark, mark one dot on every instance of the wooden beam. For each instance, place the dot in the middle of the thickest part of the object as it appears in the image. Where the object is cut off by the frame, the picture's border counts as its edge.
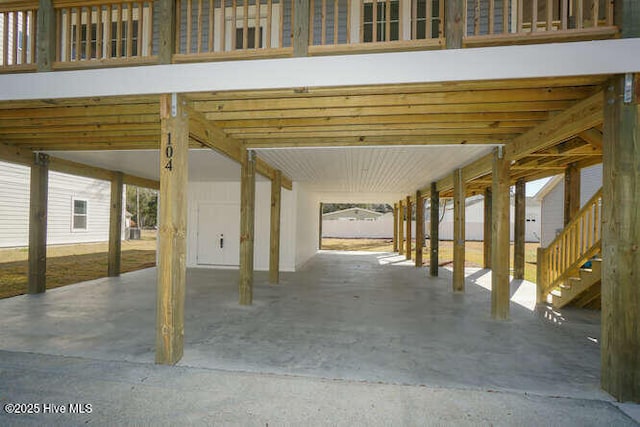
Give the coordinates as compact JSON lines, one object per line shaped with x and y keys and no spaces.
{"x":115,"y":226}
{"x":400,"y":227}
{"x":419,"y":227}
{"x":593,"y":137}
{"x":486,"y":244}
{"x":300,"y":27}
{"x":395,"y":227}
{"x":458,"y":230}
{"x":433,"y":234}
{"x":582,"y":116}
{"x":247,"y":220}
{"x":172,"y":230}
{"x":166,"y":30}
{"x":519,"y":230}
{"x":320,"y":226}
{"x":409,"y":210}
{"x":455,"y":23}
{"x":46,"y":35}
{"x":38,"y":224}
{"x":571,"y":192}
{"x":500,"y":247}
{"x":208,"y":134}
{"x":620,"y":340}
{"x":274,"y":236}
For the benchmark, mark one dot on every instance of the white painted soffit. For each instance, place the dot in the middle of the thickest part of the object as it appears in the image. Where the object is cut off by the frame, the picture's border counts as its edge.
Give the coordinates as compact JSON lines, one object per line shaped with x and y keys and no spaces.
{"x":204,"y":164}
{"x":491,"y":63}
{"x":352,"y":171}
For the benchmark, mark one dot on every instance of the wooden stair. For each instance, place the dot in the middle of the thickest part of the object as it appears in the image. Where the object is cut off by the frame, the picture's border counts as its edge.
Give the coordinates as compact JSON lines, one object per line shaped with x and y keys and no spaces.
{"x":581,"y":291}
{"x":560,"y":273}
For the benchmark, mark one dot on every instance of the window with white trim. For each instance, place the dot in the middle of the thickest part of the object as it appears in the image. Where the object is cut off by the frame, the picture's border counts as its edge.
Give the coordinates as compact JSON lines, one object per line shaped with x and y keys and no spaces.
{"x":79,"y":215}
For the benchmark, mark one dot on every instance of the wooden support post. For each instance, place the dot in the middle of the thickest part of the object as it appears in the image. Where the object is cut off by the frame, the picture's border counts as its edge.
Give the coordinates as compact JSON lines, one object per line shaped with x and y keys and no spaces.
{"x":395,"y":227}
{"x":519,"y":230}
{"x":459,"y":193}
{"x":46,"y":35}
{"x":419,"y":228}
{"x":409,"y":210}
{"x":571,"y":192}
{"x":500,"y":227}
{"x":167,"y":31}
{"x":115,"y":225}
{"x":487,"y":229}
{"x":172,"y":231}
{"x":542,"y":268}
{"x":620,"y":342}
{"x":400,"y":227}
{"x":300,"y":28}
{"x":454,"y":23}
{"x":274,"y":246}
{"x":433,"y":234}
{"x":38,"y":224}
{"x":320,"y":227}
{"x":247,"y":220}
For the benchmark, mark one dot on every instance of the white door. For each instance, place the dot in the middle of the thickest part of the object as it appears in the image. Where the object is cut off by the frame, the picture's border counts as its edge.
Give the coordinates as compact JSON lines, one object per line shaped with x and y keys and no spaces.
{"x":218,"y":234}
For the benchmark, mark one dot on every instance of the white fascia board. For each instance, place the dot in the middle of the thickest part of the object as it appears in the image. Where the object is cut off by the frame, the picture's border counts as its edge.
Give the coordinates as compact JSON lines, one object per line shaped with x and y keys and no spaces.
{"x":491,"y":63}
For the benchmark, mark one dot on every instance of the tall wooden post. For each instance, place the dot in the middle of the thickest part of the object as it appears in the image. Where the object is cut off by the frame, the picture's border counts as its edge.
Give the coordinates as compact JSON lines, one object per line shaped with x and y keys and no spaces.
{"x":39,"y":190}
{"x":115,"y":226}
{"x":500,"y":227}
{"x":400,"y":227}
{"x":46,"y":35}
{"x":435,"y":227}
{"x":571,"y":192}
{"x":320,"y":227}
{"x":620,"y":343}
{"x":454,"y":23}
{"x":274,"y":241}
{"x":172,"y":245}
{"x":409,"y":210}
{"x":459,"y":193}
{"x":486,"y":253}
{"x":419,"y":227}
{"x":519,"y":230}
{"x":542,"y":269}
{"x":247,"y":220}
{"x":395,"y":227}
{"x":301,"y":10}
{"x":166,"y":31}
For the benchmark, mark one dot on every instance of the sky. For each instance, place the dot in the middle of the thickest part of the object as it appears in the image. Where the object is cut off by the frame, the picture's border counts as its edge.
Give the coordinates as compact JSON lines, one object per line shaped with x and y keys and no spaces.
{"x":534,"y":186}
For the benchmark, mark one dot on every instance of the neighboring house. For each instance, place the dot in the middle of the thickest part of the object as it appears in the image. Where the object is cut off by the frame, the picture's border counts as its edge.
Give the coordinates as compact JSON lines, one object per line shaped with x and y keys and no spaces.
{"x":357,"y":223}
{"x":474,"y":219}
{"x":352,"y":214}
{"x":78,"y":208}
{"x":551,"y":199}
{"x":382,"y":227}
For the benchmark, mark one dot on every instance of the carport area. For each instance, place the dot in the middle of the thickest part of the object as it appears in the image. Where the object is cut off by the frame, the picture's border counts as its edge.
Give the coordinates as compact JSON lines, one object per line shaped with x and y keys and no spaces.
{"x":363,"y":317}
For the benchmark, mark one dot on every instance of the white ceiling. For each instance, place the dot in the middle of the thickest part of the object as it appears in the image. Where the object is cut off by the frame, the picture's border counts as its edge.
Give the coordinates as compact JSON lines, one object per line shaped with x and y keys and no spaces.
{"x":344,"y":170}
{"x":371,"y":169}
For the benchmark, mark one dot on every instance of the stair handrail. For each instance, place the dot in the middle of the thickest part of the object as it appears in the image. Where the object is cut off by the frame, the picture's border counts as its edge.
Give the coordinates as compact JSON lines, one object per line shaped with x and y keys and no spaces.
{"x":577,"y":243}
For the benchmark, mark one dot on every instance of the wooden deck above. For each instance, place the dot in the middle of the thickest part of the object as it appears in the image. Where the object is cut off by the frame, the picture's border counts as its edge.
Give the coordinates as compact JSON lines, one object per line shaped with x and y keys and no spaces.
{"x":76,"y":34}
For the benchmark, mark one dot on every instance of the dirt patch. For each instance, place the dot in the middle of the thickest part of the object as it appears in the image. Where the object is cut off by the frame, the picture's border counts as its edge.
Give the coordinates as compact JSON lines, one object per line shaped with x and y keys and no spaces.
{"x":68,"y":264}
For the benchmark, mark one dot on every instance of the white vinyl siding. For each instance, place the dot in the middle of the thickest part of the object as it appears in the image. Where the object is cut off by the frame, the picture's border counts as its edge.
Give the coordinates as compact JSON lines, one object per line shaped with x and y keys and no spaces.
{"x":14,"y":205}
{"x":63,"y":189}
{"x":553,"y":202}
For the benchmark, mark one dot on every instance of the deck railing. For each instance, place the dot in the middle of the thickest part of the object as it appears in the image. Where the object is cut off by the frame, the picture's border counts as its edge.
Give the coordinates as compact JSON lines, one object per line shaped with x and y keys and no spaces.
{"x":18,"y":35}
{"x":103,"y":32}
{"x":492,"y":22}
{"x":93,"y":33}
{"x":575,"y":245}
{"x":206,"y":30}
{"x":371,"y":25}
